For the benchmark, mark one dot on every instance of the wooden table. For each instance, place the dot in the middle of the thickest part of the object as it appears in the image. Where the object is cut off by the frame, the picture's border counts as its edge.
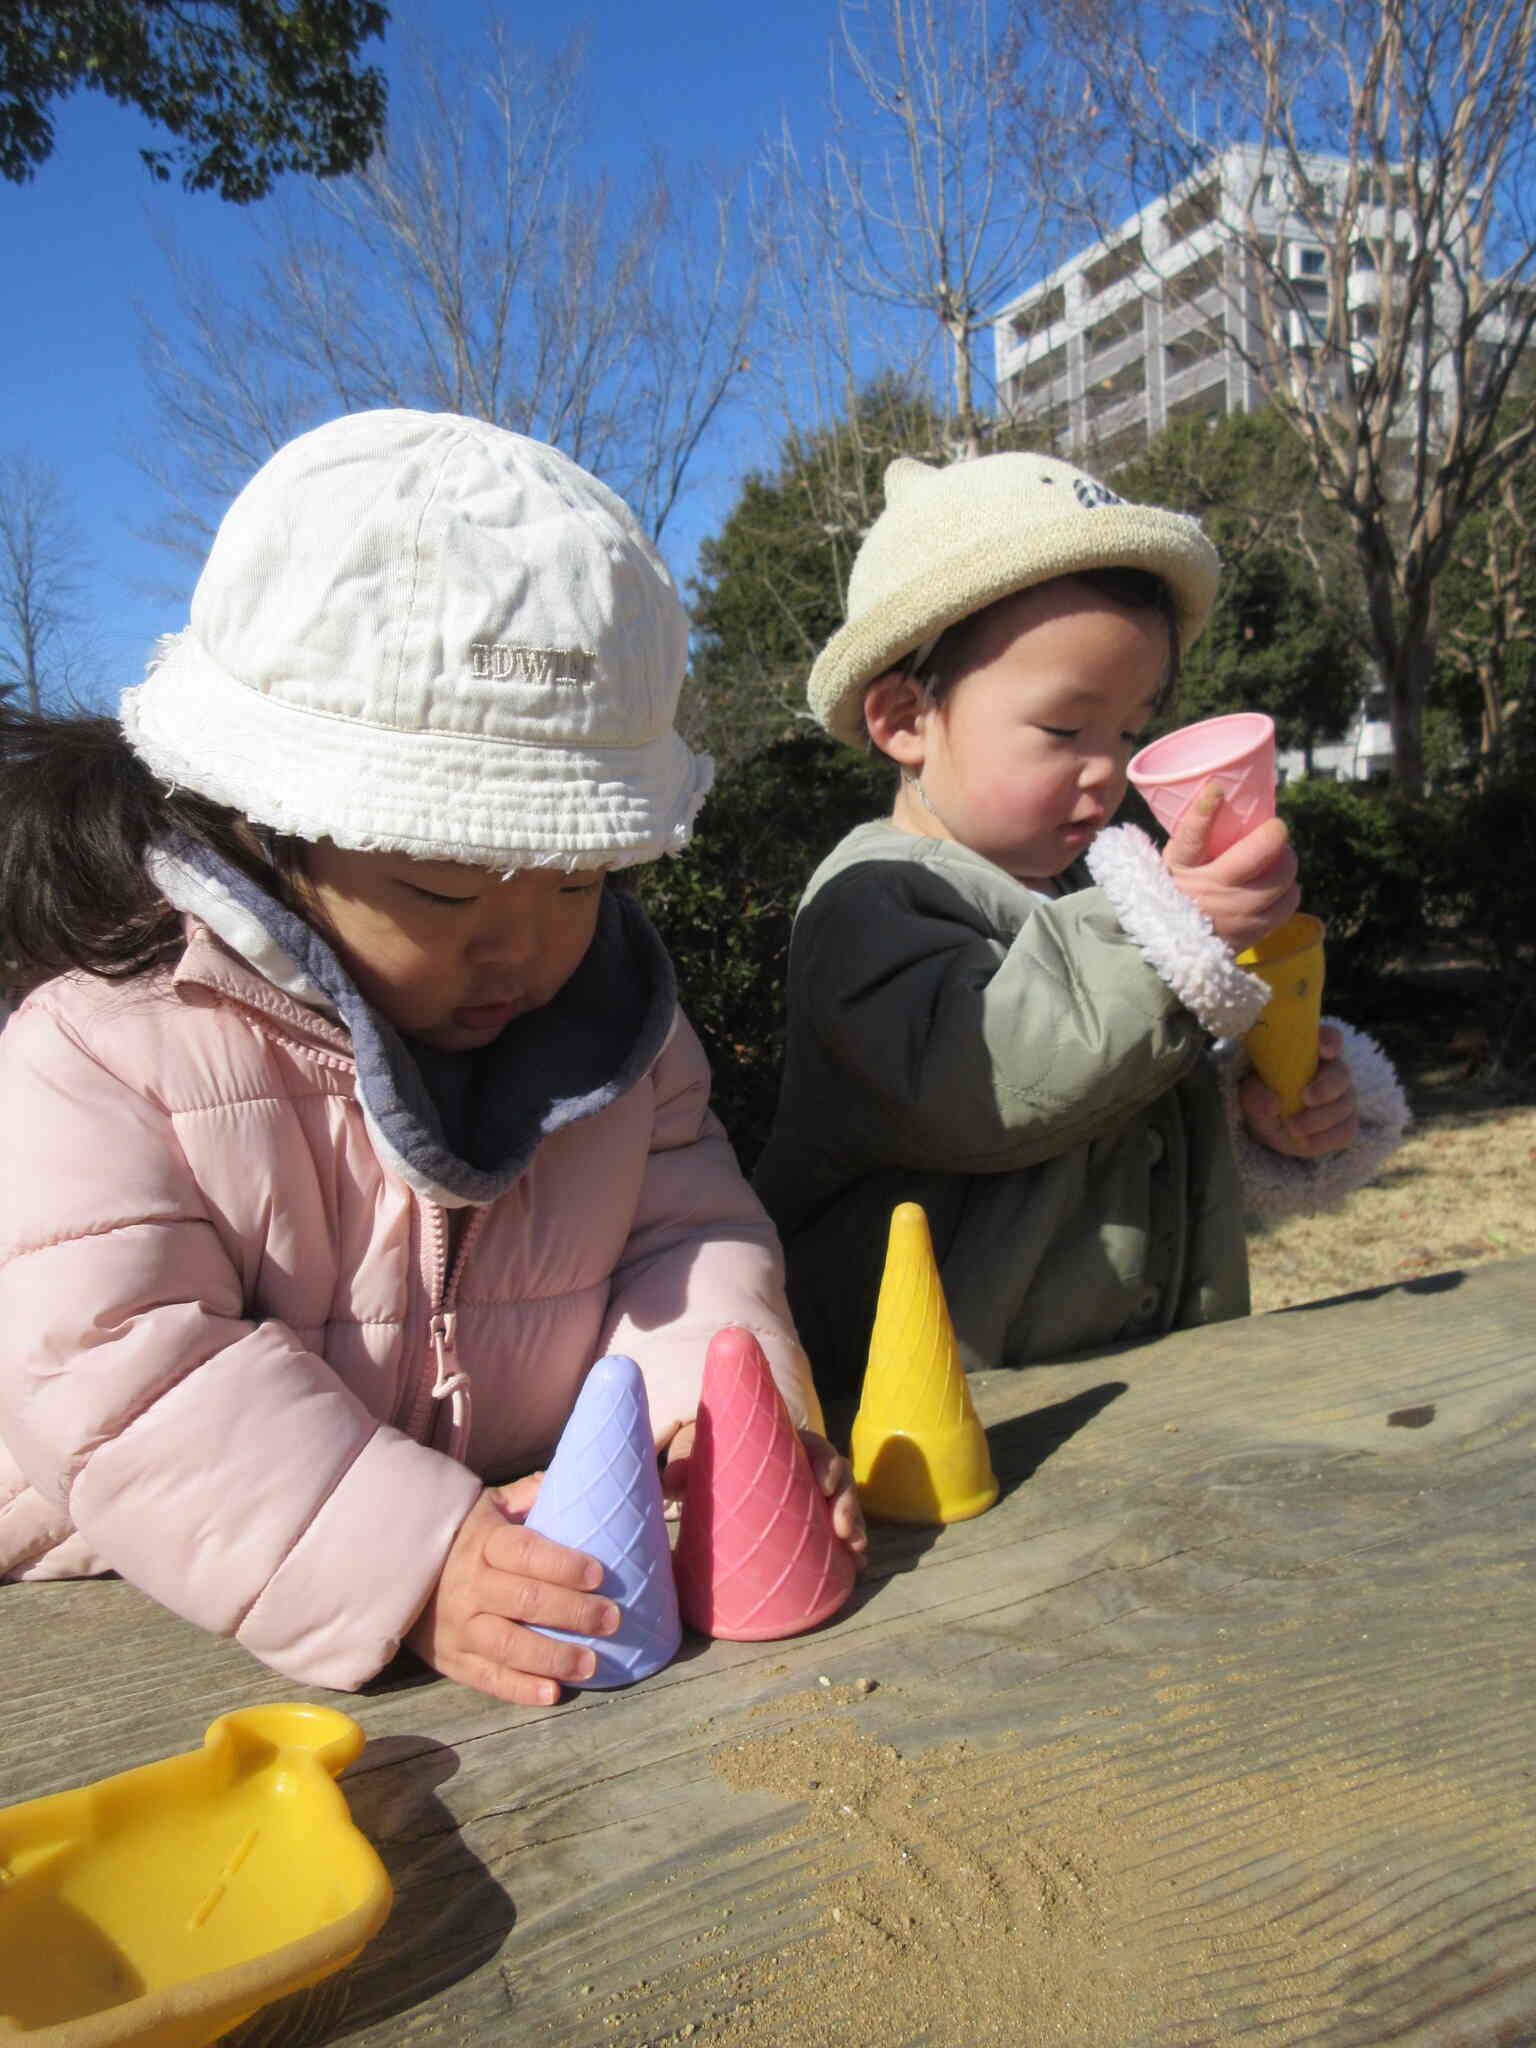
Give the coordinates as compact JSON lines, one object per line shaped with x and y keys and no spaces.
{"x":1220,"y":1726}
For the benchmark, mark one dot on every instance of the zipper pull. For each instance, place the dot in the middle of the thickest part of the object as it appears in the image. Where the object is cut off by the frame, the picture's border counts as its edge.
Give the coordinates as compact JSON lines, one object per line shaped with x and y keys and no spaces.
{"x":451,"y":1383}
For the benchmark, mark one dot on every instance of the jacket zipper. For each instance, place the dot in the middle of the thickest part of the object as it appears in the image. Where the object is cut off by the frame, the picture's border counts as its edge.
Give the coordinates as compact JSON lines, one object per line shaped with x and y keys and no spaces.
{"x":448,"y":1379}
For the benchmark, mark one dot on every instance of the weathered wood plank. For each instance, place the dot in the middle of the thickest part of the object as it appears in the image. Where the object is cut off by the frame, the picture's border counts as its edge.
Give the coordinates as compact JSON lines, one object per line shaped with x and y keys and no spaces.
{"x":1244,"y":1653}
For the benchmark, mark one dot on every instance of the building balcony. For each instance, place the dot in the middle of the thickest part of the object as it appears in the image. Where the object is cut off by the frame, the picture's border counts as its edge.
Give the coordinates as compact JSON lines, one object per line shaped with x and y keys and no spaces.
{"x":1032,"y":358}
{"x":1130,"y":348}
{"x":1035,"y":401}
{"x":1197,"y":377}
{"x":1106,"y":422}
{"x":1206,"y":311}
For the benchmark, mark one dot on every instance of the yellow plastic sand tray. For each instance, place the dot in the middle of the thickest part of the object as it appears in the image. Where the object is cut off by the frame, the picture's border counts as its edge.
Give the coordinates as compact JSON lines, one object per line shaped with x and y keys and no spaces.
{"x":167,"y":1904}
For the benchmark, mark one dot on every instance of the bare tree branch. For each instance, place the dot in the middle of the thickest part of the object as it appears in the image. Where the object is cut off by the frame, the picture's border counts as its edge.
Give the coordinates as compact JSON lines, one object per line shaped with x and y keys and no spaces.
{"x":468,"y":269}
{"x":41,"y":557}
{"x":1395,"y":363}
{"x":914,"y":203}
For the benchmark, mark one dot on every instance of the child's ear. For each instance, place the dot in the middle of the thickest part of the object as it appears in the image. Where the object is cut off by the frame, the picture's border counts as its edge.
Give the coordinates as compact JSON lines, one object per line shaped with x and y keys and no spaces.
{"x":894,"y":707}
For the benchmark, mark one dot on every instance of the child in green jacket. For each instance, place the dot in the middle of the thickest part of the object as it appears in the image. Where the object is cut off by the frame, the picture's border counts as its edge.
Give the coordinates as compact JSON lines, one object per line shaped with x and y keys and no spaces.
{"x":1004,"y":1008}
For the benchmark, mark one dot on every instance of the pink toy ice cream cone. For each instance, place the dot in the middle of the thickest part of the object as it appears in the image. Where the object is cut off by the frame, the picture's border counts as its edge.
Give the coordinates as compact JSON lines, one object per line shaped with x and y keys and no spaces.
{"x":602,"y":1494}
{"x":1237,"y":751}
{"x":756,"y":1554}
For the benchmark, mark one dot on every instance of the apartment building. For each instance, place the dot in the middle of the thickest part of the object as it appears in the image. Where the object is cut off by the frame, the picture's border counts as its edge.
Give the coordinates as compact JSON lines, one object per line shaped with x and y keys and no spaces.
{"x":1166,"y":318}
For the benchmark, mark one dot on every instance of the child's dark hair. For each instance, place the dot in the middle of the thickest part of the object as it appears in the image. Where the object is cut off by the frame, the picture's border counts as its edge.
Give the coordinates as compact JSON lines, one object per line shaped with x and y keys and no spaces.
{"x":1137,"y":590}
{"x":78,"y":813}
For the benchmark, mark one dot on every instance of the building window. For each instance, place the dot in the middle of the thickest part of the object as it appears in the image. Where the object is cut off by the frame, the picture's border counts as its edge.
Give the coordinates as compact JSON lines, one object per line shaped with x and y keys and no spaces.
{"x":1362,"y":257}
{"x":1313,"y":263}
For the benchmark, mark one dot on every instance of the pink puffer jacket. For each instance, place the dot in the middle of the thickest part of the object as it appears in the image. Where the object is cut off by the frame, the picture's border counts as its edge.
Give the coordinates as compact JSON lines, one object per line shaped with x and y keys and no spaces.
{"x":222,"y":1321}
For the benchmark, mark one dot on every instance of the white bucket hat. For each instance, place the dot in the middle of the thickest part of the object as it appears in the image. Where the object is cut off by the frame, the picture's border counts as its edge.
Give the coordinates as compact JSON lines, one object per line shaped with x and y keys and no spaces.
{"x":425,"y":634}
{"x":955,"y":539}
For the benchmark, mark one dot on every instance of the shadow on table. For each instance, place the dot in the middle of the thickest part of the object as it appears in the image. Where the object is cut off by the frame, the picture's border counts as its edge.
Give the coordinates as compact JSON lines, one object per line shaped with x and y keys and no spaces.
{"x":1021,"y":1445}
{"x":1018,"y":1449}
{"x":1425,"y":1283}
{"x":449,"y":1915}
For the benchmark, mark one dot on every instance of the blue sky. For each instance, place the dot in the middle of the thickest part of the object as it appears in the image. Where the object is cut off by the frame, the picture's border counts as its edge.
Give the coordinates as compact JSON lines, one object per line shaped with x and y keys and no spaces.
{"x":80,"y":256}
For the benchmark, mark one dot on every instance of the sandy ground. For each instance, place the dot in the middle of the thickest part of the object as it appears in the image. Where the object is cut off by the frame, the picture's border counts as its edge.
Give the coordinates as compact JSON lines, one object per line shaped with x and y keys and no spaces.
{"x":1459,"y":1192}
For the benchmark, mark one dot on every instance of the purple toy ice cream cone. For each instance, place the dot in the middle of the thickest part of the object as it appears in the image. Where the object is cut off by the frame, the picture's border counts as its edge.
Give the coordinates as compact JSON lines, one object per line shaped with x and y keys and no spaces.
{"x":602,"y":1494}
{"x":1238,"y":751}
{"x":756,"y":1555}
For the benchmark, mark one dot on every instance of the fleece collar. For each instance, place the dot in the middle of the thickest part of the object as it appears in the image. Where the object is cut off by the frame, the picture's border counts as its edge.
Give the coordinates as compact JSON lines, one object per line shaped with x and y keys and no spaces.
{"x":458,"y":1128}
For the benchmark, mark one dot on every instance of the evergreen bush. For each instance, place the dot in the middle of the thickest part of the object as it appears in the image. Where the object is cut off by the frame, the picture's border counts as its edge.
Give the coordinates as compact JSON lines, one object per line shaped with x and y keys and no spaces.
{"x":1362,"y":854}
{"x":725,"y":908}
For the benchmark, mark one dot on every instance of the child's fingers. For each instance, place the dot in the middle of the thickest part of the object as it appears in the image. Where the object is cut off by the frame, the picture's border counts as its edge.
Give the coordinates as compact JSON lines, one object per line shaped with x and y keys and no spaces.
{"x":1246,"y":891}
{"x":1188,"y":839}
{"x":1262,"y":859}
{"x":848,"y":1522}
{"x":834,"y":1475}
{"x":1327,"y":1123}
{"x":500,"y":1681}
{"x":1330,"y":1119}
{"x":516,"y":1499}
{"x":830,"y":1468}
{"x":521,"y":1552}
{"x":540,"y":1605}
{"x":1331,"y":1083}
{"x":514,"y":1647}
{"x":674,"y":1473}
{"x":675,"y":1439}
{"x":509,"y":1663}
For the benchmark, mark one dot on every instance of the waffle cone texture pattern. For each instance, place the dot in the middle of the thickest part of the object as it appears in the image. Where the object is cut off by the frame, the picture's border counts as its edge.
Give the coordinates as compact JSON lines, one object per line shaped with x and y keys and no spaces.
{"x":602,"y":1494}
{"x":756,"y":1555}
{"x":919,"y":1452}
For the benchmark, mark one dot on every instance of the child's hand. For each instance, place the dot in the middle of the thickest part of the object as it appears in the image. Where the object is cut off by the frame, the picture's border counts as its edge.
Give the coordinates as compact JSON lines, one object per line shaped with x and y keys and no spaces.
{"x":498,"y":1577}
{"x":1330,"y":1119}
{"x":1246,"y":891}
{"x":834,"y":1475}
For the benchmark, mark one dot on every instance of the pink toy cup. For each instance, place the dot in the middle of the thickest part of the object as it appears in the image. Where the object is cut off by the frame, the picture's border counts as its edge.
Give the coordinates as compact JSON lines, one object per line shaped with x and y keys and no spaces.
{"x":756,"y":1556}
{"x":1238,"y":751}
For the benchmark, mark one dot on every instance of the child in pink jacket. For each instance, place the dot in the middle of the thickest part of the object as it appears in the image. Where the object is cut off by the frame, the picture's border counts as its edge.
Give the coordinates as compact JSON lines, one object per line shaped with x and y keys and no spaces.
{"x":359,"y":1117}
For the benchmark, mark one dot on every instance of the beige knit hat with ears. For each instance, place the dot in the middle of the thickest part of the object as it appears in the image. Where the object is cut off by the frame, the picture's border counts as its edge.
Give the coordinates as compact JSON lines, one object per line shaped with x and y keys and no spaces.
{"x":952,"y":540}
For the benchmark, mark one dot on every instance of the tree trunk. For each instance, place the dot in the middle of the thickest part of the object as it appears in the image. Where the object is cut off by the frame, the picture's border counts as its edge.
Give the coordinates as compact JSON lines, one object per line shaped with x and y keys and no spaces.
{"x":966,"y":437}
{"x":1407,"y":682}
{"x":29,"y":676}
{"x":1403,"y":635}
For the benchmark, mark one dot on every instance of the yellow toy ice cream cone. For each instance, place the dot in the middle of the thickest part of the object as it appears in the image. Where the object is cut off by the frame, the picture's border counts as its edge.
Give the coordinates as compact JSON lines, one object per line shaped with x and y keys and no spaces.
{"x":919,"y":1452}
{"x":1283,"y":1044}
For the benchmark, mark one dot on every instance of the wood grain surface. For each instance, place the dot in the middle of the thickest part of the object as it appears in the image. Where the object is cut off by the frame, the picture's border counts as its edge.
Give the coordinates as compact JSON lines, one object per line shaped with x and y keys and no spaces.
{"x":1220,"y":1726}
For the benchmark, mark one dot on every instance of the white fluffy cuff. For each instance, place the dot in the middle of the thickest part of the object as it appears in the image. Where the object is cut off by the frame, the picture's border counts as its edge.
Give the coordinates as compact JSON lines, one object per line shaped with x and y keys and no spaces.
{"x":1273,"y":1184}
{"x":1175,"y":936}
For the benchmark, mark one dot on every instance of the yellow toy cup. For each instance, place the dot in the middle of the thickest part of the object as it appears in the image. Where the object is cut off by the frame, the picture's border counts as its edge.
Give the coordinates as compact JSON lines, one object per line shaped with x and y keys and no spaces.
{"x":918,"y":1451}
{"x":1283,"y":1044}
{"x":163,"y":1906}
